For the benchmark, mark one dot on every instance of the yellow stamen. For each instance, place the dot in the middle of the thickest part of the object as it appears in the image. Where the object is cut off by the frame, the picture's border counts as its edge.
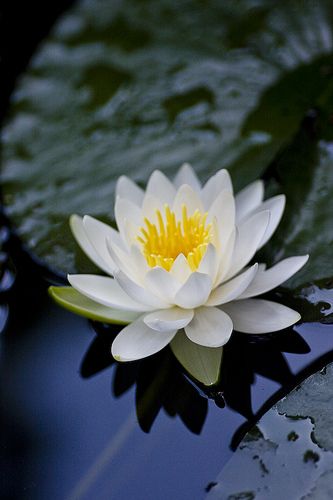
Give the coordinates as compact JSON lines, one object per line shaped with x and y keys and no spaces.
{"x":163,"y":242}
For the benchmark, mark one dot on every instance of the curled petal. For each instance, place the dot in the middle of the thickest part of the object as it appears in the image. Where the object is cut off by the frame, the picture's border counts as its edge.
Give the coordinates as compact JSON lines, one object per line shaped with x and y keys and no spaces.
{"x":194,"y":292}
{"x":169,"y":319}
{"x":266,"y":280}
{"x":137,"y":341}
{"x":186,"y":175}
{"x":209,"y":327}
{"x":248,"y":199}
{"x":260,"y":316}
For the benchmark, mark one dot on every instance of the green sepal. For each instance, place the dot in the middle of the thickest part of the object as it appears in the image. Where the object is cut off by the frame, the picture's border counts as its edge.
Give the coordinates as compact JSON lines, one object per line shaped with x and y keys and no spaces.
{"x":71,"y":299}
{"x":202,"y":363}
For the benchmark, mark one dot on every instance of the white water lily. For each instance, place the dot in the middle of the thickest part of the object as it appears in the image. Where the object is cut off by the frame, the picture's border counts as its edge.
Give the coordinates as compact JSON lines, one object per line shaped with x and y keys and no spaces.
{"x":179,"y":263}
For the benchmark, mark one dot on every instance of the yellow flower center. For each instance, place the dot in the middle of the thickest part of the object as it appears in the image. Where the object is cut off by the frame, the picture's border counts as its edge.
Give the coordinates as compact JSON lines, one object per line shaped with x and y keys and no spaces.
{"x":164,"y":241}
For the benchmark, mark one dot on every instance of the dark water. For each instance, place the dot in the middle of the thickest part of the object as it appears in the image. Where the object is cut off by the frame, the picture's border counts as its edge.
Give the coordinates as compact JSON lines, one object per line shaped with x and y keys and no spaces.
{"x":66,"y":435}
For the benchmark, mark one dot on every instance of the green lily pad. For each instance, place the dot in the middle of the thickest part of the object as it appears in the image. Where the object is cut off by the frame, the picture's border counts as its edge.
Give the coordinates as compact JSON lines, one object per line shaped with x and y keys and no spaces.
{"x":288,"y":453}
{"x":127,"y":87}
{"x":70,"y":299}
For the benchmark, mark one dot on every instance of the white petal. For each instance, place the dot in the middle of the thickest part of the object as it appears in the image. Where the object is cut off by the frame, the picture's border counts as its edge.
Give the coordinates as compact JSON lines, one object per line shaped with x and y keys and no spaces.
{"x":97,"y":233}
{"x":194,"y":292}
{"x":169,"y":319}
{"x":124,"y":262}
{"x":163,"y":284}
{"x":186,"y":175}
{"x":203,"y":363}
{"x":138,"y":292}
{"x":223,"y":210}
{"x":126,"y":211}
{"x":209,"y":262}
{"x":210,"y":327}
{"x":276,"y":207}
{"x":260,"y":316}
{"x":188,"y":197}
{"x":180,"y":268}
{"x":232,"y":289}
{"x":139,"y":260}
{"x":248,"y":237}
{"x":249,"y":199}
{"x":79,"y":232}
{"x":214,"y":186}
{"x":150,"y":206}
{"x":105,"y":291}
{"x":126,"y":188}
{"x":226,"y":254}
{"x":273,"y":277}
{"x":137,"y":341}
{"x":160,"y":187}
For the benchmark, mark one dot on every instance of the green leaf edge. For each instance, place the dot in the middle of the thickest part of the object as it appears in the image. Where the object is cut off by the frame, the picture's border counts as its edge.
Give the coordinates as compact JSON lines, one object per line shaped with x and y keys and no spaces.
{"x":70,"y":299}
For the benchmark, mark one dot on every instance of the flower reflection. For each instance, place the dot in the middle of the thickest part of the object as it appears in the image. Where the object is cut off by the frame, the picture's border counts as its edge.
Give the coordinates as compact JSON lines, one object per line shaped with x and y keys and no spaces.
{"x":161,"y":383}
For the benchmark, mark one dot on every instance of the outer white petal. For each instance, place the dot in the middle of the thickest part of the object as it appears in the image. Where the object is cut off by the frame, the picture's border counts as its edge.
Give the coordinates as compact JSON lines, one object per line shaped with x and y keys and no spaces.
{"x":248,"y":238}
{"x":188,"y":197}
{"x":248,"y":199}
{"x":194,"y":292}
{"x":126,"y":188}
{"x":180,"y":268}
{"x":186,"y":175}
{"x":79,"y":232}
{"x":260,"y":316}
{"x":276,"y":207}
{"x":105,"y":291}
{"x":137,"y":341}
{"x":232,"y":289}
{"x":214,"y":186}
{"x":223,"y":210}
{"x":162,"y":283}
{"x":137,"y":292}
{"x":160,"y":187}
{"x":97,"y":233}
{"x":169,"y":319}
{"x":266,"y":280}
{"x":210,"y":327}
{"x":209,"y":262}
{"x":127,"y":212}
